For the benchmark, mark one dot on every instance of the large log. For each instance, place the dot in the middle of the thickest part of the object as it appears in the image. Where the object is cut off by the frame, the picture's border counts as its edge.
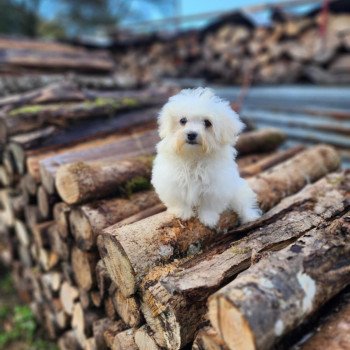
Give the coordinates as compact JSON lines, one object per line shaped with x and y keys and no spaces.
{"x":104,"y":178}
{"x":334,"y":333}
{"x":270,"y":161}
{"x":79,"y":61}
{"x":144,"y":339}
{"x":177,"y":301}
{"x":128,"y":309}
{"x":129,"y":252}
{"x":260,"y":141}
{"x":81,"y":181}
{"x":56,"y":92}
{"x":84,"y":264}
{"x":124,"y":340}
{"x":102,"y":153}
{"x":86,"y":221}
{"x":283,"y":290}
{"x":208,"y":339}
{"x":33,"y":117}
{"x":51,"y":138}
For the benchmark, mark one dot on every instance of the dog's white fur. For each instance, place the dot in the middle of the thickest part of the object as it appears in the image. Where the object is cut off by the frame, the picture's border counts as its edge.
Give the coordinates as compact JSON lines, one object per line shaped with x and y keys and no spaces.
{"x":202,"y":178}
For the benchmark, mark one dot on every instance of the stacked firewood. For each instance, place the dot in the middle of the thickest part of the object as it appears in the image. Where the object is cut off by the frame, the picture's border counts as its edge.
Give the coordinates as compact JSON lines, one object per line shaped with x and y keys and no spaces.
{"x":23,"y":55}
{"x":75,"y":176}
{"x":310,"y":48}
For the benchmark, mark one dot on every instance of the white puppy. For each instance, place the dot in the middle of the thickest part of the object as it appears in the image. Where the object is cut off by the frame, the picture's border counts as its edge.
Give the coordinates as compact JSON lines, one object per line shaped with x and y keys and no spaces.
{"x":195,"y":172}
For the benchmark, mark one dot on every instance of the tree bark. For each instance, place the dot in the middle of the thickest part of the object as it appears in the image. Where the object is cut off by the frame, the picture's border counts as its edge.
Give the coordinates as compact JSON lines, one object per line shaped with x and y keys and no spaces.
{"x":84,"y":264}
{"x":128,"y":309}
{"x":289,"y":286}
{"x":61,"y":217}
{"x":51,"y":137}
{"x":104,"y":153}
{"x":176,"y":297}
{"x":208,"y":339}
{"x":144,"y":339}
{"x":334,"y":333}
{"x":98,"y":329}
{"x":86,"y":221}
{"x":270,"y":161}
{"x":129,"y":252}
{"x":80,"y":182}
{"x":45,"y":202}
{"x":259,"y":141}
{"x":124,"y":340}
{"x":111,"y":331}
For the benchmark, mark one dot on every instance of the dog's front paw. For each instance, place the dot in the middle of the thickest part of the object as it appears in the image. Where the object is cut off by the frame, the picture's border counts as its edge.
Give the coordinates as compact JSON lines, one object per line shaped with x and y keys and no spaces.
{"x":250,"y":215}
{"x":209,"y":218}
{"x":182,"y":213}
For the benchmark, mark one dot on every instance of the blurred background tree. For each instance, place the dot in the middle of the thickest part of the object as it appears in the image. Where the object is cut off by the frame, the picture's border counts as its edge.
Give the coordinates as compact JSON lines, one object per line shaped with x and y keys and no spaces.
{"x":73,"y":18}
{"x":19,"y":17}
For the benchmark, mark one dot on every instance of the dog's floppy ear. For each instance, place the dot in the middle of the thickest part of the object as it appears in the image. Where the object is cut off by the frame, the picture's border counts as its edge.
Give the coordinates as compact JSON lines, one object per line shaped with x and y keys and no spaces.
{"x":231,"y":128}
{"x":163,"y":124}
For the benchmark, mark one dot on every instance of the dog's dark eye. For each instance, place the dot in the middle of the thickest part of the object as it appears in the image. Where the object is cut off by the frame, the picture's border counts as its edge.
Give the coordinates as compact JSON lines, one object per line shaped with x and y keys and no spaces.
{"x":183,"y":121}
{"x":207,"y":123}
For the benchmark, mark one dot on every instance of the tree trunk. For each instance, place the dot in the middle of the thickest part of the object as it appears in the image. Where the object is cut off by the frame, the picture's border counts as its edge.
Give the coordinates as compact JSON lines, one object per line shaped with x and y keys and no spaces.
{"x":177,"y":301}
{"x":86,"y":221}
{"x":79,"y":182}
{"x":111,"y":331}
{"x":289,"y":286}
{"x":144,"y":339}
{"x":84,"y":264}
{"x":61,"y":217}
{"x":259,"y":141}
{"x":124,"y":340}
{"x":270,"y":161}
{"x":98,"y":329}
{"x":126,"y":250}
{"x":104,"y":153}
{"x":60,"y":136}
{"x":208,"y":339}
{"x":127,"y":308}
{"x":334,"y":333}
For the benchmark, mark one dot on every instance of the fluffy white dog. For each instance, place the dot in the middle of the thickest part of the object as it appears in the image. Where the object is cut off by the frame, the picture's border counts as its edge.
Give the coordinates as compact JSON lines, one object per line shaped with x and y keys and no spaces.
{"x":195,"y":172}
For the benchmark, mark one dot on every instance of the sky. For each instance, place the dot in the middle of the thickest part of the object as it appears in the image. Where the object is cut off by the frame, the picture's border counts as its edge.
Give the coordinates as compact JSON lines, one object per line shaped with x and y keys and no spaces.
{"x":185,"y":7}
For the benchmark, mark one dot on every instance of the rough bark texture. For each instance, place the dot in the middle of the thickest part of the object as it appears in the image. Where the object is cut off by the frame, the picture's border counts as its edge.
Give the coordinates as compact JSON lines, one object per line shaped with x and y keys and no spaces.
{"x":282,"y":291}
{"x":334,"y":333}
{"x":124,"y":340}
{"x":259,"y":141}
{"x":94,"y":147}
{"x":269,"y":161}
{"x":208,"y":339}
{"x":86,"y":221}
{"x":83,"y":264}
{"x":144,"y":339}
{"x":129,"y":252}
{"x":184,"y":289}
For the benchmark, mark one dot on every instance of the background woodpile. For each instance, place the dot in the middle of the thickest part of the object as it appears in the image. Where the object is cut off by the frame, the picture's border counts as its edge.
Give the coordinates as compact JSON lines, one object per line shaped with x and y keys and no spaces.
{"x":104,"y":266}
{"x":234,"y":49}
{"x":309,"y":48}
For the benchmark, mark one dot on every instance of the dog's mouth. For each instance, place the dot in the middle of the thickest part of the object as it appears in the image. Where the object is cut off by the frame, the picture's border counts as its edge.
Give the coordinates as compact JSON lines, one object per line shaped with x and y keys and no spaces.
{"x":192,"y":142}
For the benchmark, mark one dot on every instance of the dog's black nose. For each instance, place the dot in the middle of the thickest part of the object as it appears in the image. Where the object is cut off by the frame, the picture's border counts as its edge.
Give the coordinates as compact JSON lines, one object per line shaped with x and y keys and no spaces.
{"x":191,"y":136}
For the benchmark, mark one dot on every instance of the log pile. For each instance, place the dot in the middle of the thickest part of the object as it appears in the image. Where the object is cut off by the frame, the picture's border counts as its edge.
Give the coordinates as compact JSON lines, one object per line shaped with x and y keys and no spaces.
{"x":233,"y":50}
{"x":92,"y":249}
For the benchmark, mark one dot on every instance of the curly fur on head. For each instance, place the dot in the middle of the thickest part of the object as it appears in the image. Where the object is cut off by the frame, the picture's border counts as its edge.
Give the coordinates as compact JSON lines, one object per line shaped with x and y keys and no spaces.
{"x":198,"y":105}
{"x":195,"y":172}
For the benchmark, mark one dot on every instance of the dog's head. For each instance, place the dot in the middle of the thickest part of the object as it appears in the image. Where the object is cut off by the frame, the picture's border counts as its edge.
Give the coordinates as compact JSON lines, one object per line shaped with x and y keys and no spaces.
{"x":195,"y":120}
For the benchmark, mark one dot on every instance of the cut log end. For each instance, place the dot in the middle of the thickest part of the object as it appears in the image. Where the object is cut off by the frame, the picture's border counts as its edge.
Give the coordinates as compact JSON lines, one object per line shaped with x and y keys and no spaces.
{"x":67,"y":184}
{"x":231,"y":322}
{"x":119,"y":266}
{"x":80,"y":228}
